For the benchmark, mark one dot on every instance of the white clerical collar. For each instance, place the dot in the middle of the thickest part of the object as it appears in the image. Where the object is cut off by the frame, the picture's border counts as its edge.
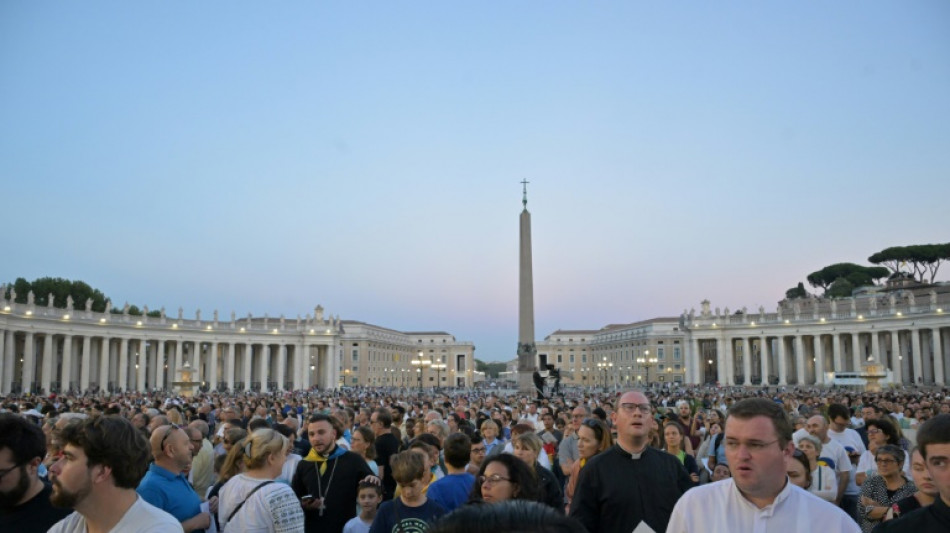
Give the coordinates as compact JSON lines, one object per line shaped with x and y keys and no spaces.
{"x":633,"y":455}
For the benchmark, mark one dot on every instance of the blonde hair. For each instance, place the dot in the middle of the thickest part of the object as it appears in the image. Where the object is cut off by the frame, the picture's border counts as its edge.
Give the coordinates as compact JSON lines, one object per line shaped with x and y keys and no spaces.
{"x":530,"y":441}
{"x":261,"y":444}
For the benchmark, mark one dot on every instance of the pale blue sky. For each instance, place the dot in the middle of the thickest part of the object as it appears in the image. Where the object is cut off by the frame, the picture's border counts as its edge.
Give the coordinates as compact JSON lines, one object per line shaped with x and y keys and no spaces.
{"x":366,"y":156}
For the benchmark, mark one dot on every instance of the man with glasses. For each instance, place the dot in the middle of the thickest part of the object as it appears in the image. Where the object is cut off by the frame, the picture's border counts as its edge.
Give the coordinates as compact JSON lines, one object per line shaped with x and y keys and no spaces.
{"x":759,"y":496}
{"x":479,"y":452}
{"x":630,"y":482}
{"x":103,"y":460}
{"x":201,"y":473}
{"x":165,"y":486}
{"x":567,"y":451}
{"x":24,"y":498}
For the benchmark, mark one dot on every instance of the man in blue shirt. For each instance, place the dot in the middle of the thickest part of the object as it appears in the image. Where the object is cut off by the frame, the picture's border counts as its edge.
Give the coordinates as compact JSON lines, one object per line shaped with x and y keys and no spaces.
{"x":165,"y":486}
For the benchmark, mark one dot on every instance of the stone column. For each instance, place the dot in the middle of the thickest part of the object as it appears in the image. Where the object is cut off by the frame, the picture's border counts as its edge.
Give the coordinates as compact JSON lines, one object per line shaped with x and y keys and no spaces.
{"x":4,"y":375}
{"x":695,"y":358}
{"x":281,"y":365}
{"x":782,"y":362}
{"x":213,"y":367}
{"x":876,"y":347}
{"x":746,"y":361}
{"x":764,"y":359}
{"x":720,"y":362}
{"x":229,"y":367}
{"x":8,"y":360}
{"x":298,"y":367}
{"x":836,"y":352}
{"x":47,"y":369}
{"x":265,"y":367}
{"x":856,"y":352}
{"x":819,"y":349}
{"x":29,"y":359}
{"x":140,"y":384}
{"x":729,"y":354}
{"x":123,"y":381}
{"x":248,"y":356}
{"x":104,"y":364}
{"x":938,"y":355}
{"x":160,"y":365}
{"x":84,"y":365}
{"x":896,"y":357}
{"x":918,"y":359}
{"x":67,"y":370}
{"x":800,"y":359}
{"x":179,"y":356}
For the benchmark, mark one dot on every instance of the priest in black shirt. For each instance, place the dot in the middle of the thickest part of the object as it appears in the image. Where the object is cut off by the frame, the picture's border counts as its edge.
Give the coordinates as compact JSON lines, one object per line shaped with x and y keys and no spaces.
{"x":24,"y":498}
{"x":630,"y":482}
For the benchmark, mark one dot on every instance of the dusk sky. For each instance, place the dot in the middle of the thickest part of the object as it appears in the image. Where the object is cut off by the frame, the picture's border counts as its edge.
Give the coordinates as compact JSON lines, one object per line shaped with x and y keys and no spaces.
{"x":268,"y":157}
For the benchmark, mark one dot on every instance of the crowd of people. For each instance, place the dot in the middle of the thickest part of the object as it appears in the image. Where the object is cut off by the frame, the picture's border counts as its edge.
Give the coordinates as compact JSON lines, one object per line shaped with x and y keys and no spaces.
{"x":678,"y":459}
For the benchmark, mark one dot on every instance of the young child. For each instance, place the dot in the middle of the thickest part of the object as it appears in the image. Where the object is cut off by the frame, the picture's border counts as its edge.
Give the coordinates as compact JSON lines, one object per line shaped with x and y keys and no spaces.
{"x":411,"y":511}
{"x":368,"y":497}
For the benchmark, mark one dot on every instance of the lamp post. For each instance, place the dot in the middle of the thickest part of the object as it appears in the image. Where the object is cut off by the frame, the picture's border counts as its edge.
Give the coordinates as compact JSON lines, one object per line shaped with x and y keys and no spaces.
{"x":646,"y":361}
{"x":605,"y":366}
{"x":420,"y":362}
{"x":438,"y":367}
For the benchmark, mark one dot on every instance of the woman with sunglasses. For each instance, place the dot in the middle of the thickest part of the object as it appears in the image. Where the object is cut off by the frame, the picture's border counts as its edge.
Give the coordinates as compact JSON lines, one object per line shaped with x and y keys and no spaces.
{"x":881,"y":491}
{"x":823,"y":484}
{"x":593,"y":437}
{"x":253,"y":500}
{"x":504,"y":477}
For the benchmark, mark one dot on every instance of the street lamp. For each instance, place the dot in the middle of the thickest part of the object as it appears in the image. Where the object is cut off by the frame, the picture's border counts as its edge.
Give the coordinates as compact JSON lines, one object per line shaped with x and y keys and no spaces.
{"x":605,"y":366}
{"x":420,"y":362}
{"x":646,"y":361}
{"x":438,"y":367}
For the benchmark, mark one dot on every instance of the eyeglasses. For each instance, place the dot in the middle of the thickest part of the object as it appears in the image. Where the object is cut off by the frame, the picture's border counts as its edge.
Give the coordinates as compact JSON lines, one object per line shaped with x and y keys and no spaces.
{"x":873,"y":431}
{"x":644,"y":408}
{"x":161,"y":445}
{"x":885,"y":461}
{"x":491,"y":480}
{"x":6,"y":471}
{"x":479,"y":450}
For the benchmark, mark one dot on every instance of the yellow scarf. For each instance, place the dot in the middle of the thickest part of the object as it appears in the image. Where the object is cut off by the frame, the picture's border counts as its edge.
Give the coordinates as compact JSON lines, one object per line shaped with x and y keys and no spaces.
{"x":315,"y":457}
{"x":583,"y":461}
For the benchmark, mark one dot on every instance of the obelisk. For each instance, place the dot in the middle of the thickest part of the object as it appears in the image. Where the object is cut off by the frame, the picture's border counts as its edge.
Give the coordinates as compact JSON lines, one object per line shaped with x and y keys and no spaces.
{"x":527,"y":352}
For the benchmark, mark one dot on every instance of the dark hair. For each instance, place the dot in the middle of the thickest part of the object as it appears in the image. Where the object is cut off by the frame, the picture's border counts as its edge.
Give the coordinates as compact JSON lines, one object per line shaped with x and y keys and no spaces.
{"x":519,"y":474}
{"x":800,"y":457}
{"x":333,"y":421}
{"x":256,"y":424}
{"x":836,"y":409}
{"x":429,"y":439}
{"x":512,"y":516}
{"x":458,"y":450}
{"x":370,"y":485}
{"x":367,"y":434}
{"x":114,"y":442}
{"x":752,"y":407}
{"x":894,"y":451}
{"x":285,"y":431}
{"x":887,"y":427}
{"x":934,"y":431}
{"x":384,"y":417}
{"x":24,"y":438}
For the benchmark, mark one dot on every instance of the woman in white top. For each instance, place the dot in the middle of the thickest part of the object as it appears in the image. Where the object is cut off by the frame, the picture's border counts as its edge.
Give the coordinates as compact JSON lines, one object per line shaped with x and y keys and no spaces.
{"x":880,"y":432}
{"x":823,"y":482}
{"x":253,"y":501}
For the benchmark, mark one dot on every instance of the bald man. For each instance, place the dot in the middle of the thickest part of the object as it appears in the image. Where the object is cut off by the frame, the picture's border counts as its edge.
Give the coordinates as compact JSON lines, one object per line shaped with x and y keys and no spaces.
{"x":165,"y":486}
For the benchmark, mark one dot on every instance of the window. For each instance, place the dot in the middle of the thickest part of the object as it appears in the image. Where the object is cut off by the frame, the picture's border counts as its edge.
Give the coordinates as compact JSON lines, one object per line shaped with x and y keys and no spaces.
{"x":572,"y":358}
{"x":676,"y":353}
{"x":659,"y":353}
{"x":584,"y":358}
{"x":356,"y":354}
{"x":559,"y":358}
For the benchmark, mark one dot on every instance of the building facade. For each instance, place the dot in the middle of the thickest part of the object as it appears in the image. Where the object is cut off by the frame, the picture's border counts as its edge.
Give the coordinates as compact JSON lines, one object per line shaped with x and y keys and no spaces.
{"x":805,"y":341}
{"x":48,"y":349}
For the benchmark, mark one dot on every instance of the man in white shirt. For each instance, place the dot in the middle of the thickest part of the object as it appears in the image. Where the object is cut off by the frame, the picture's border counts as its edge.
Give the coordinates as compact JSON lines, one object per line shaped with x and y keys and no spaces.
{"x":850,"y":440}
{"x":759,"y":496}
{"x":104,"y":458}
{"x":832,"y":452}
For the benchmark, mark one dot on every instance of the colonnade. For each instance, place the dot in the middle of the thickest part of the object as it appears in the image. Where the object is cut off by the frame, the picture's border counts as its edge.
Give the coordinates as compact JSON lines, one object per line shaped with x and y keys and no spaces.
{"x":913,"y":355}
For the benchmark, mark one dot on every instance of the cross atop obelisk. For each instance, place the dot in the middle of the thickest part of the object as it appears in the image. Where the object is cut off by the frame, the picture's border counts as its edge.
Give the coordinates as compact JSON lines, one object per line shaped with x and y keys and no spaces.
{"x":527,"y":352}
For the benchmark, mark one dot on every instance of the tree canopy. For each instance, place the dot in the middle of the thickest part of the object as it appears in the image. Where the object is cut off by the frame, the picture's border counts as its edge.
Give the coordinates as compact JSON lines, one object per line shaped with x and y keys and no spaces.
{"x":856,"y":275}
{"x":924,"y":259}
{"x":60,"y":289}
{"x":491,"y":370}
